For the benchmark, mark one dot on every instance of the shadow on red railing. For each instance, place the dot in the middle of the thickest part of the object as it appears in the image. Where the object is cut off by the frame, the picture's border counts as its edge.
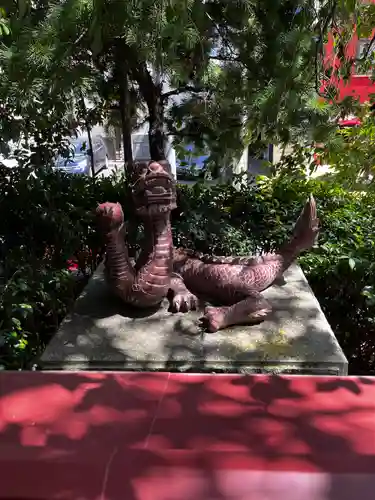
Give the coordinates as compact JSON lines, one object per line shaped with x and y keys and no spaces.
{"x":172,"y":436}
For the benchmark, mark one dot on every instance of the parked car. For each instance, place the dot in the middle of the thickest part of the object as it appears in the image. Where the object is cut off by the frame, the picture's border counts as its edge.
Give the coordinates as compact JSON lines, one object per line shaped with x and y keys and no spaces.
{"x":9,"y":162}
{"x":191,"y":167}
{"x":80,"y":161}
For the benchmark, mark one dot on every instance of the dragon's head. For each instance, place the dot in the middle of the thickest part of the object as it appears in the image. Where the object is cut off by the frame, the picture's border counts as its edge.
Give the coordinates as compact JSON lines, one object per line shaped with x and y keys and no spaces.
{"x":153,"y":188}
{"x":109,"y":216}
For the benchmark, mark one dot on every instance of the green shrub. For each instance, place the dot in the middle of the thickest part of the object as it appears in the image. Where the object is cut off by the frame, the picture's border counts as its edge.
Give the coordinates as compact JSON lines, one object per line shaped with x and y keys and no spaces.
{"x":49,"y":218}
{"x":350,"y":151}
{"x":341,"y":270}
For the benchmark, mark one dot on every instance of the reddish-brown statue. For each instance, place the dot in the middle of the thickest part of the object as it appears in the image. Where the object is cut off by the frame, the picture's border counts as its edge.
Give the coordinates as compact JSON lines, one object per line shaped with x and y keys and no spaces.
{"x":235,"y":283}
{"x":146,"y":283}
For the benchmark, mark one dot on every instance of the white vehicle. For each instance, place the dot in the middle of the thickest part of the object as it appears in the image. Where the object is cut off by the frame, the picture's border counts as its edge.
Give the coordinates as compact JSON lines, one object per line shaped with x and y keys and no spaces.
{"x":8,"y":162}
{"x":80,"y":160}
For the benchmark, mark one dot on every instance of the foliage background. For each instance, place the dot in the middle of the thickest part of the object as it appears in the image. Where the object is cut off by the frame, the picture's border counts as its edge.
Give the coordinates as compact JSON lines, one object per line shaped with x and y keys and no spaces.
{"x":255,"y":66}
{"x":49,"y":220}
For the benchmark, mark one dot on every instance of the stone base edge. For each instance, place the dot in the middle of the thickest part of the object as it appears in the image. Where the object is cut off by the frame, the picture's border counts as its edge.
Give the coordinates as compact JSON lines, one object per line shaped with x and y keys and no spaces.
{"x":199,"y":367}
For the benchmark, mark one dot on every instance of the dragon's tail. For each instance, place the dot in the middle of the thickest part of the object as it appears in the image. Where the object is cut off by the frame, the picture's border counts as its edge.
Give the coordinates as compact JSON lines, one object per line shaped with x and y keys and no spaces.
{"x":306,"y":229}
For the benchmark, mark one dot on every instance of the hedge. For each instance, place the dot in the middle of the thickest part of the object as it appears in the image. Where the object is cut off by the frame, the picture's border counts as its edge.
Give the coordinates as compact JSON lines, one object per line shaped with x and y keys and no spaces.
{"x":47,"y":229}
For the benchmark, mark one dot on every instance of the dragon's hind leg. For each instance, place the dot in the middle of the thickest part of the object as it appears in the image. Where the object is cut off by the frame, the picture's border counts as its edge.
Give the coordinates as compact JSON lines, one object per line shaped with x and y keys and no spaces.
{"x":250,"y":310}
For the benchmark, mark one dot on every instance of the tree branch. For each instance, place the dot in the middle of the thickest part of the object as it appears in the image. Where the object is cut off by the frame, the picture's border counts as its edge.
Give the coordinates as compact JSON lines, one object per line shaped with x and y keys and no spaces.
{"x":319,"y":45}
{"x":225,"y":59}
{"x":182,"y":134}
{"x":225,"y":42}
{"x":182,"y":89}
{"x":366,"y":53}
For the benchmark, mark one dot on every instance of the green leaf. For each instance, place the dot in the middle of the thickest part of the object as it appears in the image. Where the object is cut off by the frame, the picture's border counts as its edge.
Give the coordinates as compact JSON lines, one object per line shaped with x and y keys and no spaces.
{"x":22,"y":285}
{"x":16,"y":322}
{"x":351,"y":263}
{"x":4,"y":28}
{"x":25,"y":306}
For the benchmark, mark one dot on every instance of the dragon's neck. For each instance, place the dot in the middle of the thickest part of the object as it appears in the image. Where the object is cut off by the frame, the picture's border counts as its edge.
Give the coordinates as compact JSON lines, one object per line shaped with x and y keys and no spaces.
{"x":157,"y":243}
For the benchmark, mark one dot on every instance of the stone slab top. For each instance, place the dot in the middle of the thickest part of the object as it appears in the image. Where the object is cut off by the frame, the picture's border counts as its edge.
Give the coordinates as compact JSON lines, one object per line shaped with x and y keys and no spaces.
{"x":175,"y":436}
{"x":102,"y":333}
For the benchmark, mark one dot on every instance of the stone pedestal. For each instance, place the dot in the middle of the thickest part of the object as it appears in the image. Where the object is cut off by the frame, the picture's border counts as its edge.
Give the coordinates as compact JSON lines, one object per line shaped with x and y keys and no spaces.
{"x":103,"y":334}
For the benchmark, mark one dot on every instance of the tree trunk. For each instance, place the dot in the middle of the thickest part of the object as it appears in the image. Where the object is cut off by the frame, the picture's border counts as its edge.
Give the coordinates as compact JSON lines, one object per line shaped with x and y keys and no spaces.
{"x":88,"y":128}
{"x":123,"y":82}
{"x":152,"y":94}
{"x":156,"y":123}
{"x":91,"y":150}
{"x":125,"y":120}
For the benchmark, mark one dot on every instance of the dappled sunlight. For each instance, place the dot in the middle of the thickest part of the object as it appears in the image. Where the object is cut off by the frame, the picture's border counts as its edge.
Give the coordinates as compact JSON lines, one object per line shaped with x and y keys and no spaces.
{"x":102,"y":333}
{"x":223,"y":408}
{"x":48,"y":411}
{"x":213,"y":92}
{"x":24,"y":406}
{"x":204,"y":423}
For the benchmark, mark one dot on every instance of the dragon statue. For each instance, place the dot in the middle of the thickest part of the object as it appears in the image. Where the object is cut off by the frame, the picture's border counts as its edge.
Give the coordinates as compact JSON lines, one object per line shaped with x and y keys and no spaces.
{"x":233,"y":283}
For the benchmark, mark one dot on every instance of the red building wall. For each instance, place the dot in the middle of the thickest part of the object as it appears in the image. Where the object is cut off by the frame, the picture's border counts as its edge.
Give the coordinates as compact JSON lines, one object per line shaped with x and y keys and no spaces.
{"x":358,"y":85}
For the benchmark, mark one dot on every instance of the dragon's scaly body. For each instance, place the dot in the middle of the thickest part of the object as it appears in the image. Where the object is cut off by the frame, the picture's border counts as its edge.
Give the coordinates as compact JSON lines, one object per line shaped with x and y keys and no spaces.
{"x":235,"y":283}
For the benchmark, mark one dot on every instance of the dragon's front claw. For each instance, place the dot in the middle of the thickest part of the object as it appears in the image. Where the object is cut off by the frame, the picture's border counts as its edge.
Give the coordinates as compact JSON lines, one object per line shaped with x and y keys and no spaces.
{"x":184,"y":302}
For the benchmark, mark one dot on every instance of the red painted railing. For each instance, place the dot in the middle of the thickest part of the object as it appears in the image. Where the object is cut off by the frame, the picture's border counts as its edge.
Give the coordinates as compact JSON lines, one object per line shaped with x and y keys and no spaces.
{"x":171,"y":436}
